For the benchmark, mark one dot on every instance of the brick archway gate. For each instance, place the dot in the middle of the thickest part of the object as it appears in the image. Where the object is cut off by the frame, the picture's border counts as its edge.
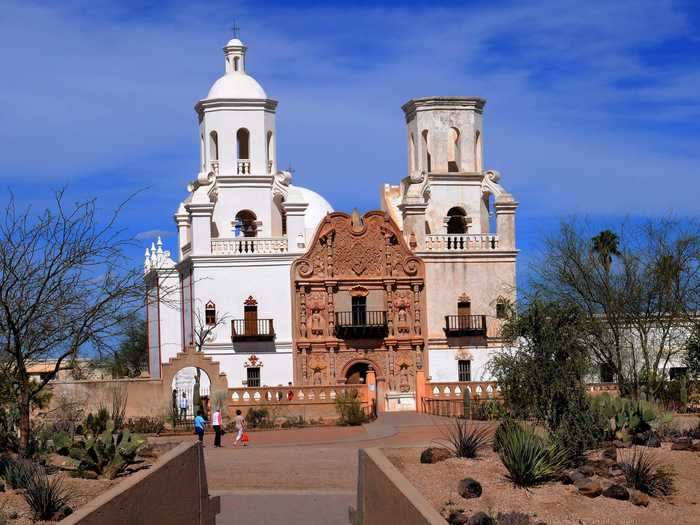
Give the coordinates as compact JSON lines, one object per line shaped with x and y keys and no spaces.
{"x":190,"y":358}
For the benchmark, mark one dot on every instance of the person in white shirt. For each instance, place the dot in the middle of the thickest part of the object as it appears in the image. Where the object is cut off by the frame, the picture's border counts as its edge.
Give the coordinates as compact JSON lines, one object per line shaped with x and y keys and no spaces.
{"x":183,"y":406}
{"x":216,"y":423}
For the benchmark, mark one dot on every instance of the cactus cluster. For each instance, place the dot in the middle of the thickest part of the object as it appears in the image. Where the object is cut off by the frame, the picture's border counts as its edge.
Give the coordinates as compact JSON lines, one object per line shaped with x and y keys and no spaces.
{"x":625,"y":417}
{"x":100,"y":448}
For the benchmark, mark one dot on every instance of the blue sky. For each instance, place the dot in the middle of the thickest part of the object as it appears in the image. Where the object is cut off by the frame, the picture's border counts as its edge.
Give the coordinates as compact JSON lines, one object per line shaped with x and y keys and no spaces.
{"x":593,"y":107}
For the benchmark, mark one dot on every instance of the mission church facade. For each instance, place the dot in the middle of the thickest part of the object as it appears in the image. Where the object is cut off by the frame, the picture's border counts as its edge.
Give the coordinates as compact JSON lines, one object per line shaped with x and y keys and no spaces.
{"x":276,"y":287}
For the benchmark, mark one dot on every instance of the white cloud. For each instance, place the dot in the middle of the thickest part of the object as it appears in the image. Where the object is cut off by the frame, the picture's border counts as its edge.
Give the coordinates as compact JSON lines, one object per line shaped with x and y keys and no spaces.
{"x":152,"y":235}
{"x":107,"y":90}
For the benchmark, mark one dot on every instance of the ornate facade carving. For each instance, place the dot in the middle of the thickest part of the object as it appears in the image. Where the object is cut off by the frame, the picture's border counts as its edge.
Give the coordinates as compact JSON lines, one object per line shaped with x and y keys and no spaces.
{"x":362,"y":259}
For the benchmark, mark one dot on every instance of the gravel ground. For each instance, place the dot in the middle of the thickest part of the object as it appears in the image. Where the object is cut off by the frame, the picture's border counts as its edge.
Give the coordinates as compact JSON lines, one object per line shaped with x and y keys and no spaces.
{"x":83,"y":490}
{"x":553,"y":503}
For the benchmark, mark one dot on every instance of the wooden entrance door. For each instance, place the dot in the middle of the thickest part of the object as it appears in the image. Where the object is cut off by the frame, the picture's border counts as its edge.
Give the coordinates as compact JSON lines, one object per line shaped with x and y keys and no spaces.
{"x":250,"y":320}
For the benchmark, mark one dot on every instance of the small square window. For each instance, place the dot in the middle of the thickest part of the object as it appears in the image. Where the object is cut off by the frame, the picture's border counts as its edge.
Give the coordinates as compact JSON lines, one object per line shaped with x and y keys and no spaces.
{"x":500,"y":310}
{"x":464,"y":369}
{"x":253,"y":376}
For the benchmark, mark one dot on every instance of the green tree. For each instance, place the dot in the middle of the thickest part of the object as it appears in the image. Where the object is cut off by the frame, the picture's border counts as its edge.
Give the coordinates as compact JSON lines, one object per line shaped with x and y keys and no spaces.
{"x":635,"y":311}
{"x":543,"y":369}
{"x":130,"y":358}
{"x":692,"y":352}
{"x":605,"y":245}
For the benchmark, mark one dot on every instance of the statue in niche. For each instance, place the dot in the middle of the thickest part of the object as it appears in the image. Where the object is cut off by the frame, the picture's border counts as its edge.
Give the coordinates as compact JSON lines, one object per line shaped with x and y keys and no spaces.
{"x":402,"y":304}
{"x":317,"y":377}
{"x":405,"y":378}
{"x":315,"y":306}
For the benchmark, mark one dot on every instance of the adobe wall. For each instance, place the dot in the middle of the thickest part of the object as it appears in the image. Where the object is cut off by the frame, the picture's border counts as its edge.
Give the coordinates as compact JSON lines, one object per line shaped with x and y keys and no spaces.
{"x":173,"y":491}
{"x":384,"y":495}
{"x":144,"y":396}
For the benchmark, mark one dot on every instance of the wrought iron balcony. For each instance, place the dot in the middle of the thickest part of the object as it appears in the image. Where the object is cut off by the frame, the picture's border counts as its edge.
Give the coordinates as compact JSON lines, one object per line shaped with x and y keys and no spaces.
{"x":360,"y":323}
{"x":461,"y":325}
{"x":252,"y":330}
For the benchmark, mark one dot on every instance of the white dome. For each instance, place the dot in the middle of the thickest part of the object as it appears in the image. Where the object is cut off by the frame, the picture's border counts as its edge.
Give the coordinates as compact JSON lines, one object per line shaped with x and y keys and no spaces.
{"x":237,"y":85}
{"x":234,"y":42}
{"x":318,"y":206}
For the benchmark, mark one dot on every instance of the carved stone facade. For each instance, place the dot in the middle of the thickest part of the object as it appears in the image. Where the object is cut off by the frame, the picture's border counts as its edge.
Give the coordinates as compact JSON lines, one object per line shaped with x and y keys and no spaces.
{"x":358,"y":273}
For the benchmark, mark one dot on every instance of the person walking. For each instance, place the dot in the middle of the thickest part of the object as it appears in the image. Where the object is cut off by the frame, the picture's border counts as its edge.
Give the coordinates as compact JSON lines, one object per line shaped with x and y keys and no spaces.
{"x":240,"y":423}
{"x":199,"y":426}
{"x":183,"y":406}
{"x":216,"y":423}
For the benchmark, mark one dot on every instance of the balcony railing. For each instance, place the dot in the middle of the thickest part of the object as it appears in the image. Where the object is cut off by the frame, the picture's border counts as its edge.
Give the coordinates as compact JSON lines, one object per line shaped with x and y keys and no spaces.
{"x":252,"y":330}
{"x":457,"y":242}
{"x":461,"y":325}
{"x":360,"y":323}
{"x":244,"y":167}
{"x":249,"y":246}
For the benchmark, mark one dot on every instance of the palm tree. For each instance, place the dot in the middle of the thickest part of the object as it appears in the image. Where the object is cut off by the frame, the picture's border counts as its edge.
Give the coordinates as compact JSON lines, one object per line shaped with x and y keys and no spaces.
{"x":605,"y":245}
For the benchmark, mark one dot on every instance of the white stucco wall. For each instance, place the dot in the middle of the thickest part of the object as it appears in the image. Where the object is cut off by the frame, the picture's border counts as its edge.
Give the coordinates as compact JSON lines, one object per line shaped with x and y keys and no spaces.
{"x":443,"y":363}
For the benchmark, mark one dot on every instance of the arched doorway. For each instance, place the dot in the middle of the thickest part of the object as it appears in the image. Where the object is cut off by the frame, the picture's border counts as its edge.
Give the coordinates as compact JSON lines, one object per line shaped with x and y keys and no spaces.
{"x":357,"y":373}
{"x":191,"y":390}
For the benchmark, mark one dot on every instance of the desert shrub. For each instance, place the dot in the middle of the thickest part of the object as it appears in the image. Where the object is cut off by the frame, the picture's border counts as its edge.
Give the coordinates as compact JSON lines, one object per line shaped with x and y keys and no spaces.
{"x":465,"y":439}
{"x":529,"y":458}
{"x":9,"y":422}
{"x":95,"y":423}
{"x":19,"y":472}
{"x":257,"y":417}
{"x":46,"y":495}
{"x":643,"y":473}
{"x":146,"y":425}
{"x":503,"y":428}
{"x":349,"y":408}
{"x":490,"y":410}
{"x":580,"y":430}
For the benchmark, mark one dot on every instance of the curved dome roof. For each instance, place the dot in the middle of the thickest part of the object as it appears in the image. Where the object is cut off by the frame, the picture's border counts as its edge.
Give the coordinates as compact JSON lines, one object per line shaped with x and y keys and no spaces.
{"x":237,"y":85}
{"x":318,"y":206}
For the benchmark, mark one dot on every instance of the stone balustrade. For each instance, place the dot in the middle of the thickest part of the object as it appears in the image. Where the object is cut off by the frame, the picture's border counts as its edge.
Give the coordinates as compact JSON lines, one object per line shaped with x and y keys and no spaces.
{"x":460,"y":242}
{"x":455,"y":390}
{"x":243,"y":167}
{"x":299,"y":394}
{"x":249,"y":246}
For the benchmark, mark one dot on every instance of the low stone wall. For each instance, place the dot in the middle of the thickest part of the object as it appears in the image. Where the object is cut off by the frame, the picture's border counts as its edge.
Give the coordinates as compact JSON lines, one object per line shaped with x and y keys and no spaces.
{"x":384,"y":495}
{"x":174,"y":491}
{"x":144,"y":396}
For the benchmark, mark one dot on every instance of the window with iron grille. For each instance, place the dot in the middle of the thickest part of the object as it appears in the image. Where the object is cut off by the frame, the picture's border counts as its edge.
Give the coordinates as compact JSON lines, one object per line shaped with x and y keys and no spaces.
{"x":253,"y":376}
{"x":464,"y":369}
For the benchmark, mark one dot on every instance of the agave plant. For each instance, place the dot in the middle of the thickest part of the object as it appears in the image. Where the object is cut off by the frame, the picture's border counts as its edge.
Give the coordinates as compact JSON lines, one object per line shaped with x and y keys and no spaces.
{"x":529,"y":458}
{"x":46,"y":495}
{"x":19,"y":472}
{"x":465,"y":439}
{"x":642,"y":472}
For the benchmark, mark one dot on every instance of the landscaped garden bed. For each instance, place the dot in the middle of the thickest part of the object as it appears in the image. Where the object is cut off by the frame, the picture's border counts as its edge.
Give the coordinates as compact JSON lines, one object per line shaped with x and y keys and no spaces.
{"x":576,"y":495}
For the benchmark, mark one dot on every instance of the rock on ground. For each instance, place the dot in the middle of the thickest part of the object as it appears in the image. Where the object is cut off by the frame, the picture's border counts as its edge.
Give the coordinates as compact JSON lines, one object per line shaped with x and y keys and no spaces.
{"x":616,"y":491}
{"x":434,"y":455}
{"x":588,"y":487}
{"x":469,"y":488}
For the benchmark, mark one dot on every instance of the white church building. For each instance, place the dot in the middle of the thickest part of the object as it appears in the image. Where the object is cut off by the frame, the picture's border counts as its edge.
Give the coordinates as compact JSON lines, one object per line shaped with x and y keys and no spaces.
{"x":227,"y":287}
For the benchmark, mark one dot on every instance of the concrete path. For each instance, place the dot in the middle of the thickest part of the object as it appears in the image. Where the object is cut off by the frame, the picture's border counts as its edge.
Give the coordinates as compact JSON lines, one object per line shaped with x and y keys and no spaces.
{"x":303,"y":476}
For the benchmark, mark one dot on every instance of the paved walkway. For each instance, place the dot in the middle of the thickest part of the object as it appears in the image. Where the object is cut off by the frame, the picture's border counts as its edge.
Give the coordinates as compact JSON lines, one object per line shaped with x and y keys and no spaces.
{"x":303,"y":476}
